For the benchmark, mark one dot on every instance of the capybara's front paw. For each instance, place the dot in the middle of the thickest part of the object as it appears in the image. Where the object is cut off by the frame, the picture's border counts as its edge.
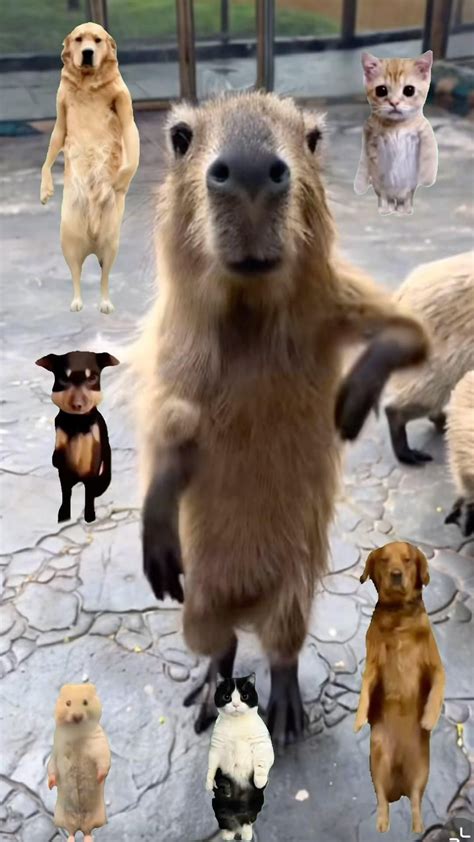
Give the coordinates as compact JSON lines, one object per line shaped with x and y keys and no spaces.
{"x":162,"y":556}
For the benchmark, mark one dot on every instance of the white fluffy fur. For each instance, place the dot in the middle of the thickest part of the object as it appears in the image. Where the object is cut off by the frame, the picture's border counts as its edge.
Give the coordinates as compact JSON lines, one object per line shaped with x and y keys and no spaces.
{"x":240,"y":745}
{"x":460,"y":437}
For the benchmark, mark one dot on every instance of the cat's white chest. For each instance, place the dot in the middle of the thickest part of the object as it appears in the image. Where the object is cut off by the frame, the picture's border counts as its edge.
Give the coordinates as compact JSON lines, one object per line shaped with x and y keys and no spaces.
{"x":398,"y":155}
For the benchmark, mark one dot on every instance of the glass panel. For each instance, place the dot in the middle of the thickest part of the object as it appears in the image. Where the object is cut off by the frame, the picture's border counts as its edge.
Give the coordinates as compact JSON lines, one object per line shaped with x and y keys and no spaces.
{"x":138,"y":24}
{"x":32,"y":26}
{"x":375,"y":16}
{"x":225,"y":21}
{"x":308,"y":17}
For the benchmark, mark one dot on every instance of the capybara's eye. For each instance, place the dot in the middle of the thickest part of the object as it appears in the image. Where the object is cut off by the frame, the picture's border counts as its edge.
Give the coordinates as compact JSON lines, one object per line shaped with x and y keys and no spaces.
{"x":85,"y":702}
{"x":78,"y":39}
{"x":181,"y":137}
{"x":381,"y":90}
{"x":97,"y":40}
{"x":408,"y":90}
{"x":68,"y":704}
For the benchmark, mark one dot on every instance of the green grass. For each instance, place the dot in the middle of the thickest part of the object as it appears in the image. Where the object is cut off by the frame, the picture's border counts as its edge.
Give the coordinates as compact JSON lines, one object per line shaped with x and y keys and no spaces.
{"x":29,"y":26}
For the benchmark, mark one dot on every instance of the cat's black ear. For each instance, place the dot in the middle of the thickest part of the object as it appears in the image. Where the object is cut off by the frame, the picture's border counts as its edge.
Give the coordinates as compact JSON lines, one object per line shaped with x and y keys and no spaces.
{"x":250,"y":679}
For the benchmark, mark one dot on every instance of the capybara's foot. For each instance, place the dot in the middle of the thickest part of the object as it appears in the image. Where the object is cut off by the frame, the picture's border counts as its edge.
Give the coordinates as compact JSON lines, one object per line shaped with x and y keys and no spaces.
{"x":76,"y":305}
{"x":285,"y":713}
{"x":64,"y":514}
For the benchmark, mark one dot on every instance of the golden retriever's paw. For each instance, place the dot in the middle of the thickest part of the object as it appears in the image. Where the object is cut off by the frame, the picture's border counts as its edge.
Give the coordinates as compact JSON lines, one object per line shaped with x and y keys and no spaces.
{"x":47,"y":189}
{"x":383,"y":824}
{"x":429,"y":720}
{"x":359,"y":723}
{"x":76,"y":305}
{"x":106,"y":306}
{"x":122,"y":182}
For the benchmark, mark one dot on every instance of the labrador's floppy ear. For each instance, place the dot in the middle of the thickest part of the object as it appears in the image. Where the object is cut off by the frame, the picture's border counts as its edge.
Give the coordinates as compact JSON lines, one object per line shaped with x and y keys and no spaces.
{"x":48,"y":362}
{"x":112,"y":48}
{"x":369,"y":567}
{"x":66,"y":51}
{"x":422,"y":565}
{"x":104,"y":359}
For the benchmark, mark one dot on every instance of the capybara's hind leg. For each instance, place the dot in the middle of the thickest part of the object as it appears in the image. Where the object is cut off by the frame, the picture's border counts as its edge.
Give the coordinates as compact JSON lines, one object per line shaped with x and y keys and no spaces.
{"x":222,"y":664}
{"x":397,"y":421}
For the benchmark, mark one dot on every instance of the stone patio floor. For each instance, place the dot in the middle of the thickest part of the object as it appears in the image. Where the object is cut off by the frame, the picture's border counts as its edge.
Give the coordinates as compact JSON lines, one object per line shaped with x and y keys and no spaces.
{"x":76,"y":606}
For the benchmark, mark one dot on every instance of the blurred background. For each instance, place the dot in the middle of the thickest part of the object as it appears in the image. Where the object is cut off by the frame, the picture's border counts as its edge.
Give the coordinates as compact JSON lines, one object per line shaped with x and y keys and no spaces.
{"x":169,"y":49}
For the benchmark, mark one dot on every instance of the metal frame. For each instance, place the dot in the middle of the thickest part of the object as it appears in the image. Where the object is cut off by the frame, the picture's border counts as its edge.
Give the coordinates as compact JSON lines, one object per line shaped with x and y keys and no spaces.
{"x":265,"y":14}
{"x":186,"y":48}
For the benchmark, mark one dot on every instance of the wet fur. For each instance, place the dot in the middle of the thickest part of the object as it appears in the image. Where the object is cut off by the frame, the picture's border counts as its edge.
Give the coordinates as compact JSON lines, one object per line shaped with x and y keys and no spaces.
{"x":96,"y":130}
{"x":403,"y":683}
{"x":248,"y":373}
{"x":441,"y":295}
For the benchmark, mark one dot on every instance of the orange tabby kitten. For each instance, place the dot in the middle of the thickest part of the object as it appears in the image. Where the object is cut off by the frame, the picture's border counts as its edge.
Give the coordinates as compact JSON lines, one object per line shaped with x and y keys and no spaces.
{"x":399,"y":150}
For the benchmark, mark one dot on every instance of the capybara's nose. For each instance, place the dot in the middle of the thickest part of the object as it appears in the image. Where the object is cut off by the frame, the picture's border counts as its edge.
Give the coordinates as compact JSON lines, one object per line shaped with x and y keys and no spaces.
{"x":87,"y":56}
{"x":261,"y":173}
{"x":396,"y":577}
{"x":77,"y":717}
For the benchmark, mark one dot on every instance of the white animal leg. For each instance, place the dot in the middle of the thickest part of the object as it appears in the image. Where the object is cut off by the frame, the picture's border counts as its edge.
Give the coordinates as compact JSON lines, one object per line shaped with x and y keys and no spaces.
{"x":107,"y":260}
{"x":246,"y":833}
{"x":228,"y":834}
{"x":385,"y":205}
{"x":74,"y":255}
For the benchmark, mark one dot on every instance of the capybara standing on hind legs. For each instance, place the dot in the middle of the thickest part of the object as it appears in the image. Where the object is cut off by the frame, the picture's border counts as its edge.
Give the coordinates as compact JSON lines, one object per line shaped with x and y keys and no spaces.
{"x":238,"y":377}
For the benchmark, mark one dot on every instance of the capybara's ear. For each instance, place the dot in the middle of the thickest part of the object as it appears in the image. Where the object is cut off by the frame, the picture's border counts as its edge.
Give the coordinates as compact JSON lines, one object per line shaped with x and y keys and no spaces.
{"x":66,"y":52}
{"x":422,"y":564}
{"x":48,"y":362}
{"x":369,"y":567}
{"x":104,"y":359}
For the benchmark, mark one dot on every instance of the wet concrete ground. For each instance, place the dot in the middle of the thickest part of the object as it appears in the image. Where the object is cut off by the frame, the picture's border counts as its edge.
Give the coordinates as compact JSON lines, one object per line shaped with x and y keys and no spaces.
{"x":75,"y":604}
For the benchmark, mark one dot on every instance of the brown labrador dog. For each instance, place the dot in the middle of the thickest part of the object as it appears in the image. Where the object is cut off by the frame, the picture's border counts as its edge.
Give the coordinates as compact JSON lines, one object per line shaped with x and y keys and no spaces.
{"x":403,"y":684}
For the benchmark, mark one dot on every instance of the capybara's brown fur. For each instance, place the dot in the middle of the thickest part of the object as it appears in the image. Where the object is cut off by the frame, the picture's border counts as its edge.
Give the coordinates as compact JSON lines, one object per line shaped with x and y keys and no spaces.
{"x":460,"y":441}
{"x":239,"y":368}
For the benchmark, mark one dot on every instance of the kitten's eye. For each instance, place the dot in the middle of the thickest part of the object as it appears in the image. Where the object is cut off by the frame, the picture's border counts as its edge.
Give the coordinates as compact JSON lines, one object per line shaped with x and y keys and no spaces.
{"x":381,"y":90}
{"x":244,"y":697}
{"x":227,"y":697}
{"x":408,"y":90}
{"x":68,"y":704}
{"x":78,"y":39}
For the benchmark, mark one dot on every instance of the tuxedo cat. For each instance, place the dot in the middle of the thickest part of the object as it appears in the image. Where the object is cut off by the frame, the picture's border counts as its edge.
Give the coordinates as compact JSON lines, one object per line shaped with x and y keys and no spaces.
{"x":240,"y":757}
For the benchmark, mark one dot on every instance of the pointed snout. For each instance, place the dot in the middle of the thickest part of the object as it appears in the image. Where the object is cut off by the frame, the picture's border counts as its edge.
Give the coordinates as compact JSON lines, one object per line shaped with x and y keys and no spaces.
{"x":237,"y":172}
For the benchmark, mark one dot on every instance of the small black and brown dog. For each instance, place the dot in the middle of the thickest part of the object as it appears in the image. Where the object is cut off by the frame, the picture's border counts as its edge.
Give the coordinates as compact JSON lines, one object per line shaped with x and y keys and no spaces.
{"x":82,"y":449}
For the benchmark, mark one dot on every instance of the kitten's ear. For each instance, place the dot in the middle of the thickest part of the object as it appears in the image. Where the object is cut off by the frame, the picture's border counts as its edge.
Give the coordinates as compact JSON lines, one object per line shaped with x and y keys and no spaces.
{"x":219,"y":678}
{"x":371,"y":65}
{"x":424,"y":63}
{"x":250,"y":679}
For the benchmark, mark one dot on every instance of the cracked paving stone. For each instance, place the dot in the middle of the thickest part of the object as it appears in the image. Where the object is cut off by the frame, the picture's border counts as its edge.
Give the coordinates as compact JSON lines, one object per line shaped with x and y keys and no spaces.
{"x":22,"y":649}
{"x":343,"y":555}
{"x":440,"y":592}
{"x":106,"y":625}
{"x":334,"y":617}
{"x":133,"y":641}
{"x":65,"y":635}
{"x":340,"y":584}
{"x":47,"y":609}
{"x":27,"y":562}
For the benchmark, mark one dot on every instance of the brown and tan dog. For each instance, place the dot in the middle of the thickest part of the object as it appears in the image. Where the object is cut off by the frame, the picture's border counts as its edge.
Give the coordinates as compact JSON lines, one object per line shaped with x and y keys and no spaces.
{"x":403,"y":685}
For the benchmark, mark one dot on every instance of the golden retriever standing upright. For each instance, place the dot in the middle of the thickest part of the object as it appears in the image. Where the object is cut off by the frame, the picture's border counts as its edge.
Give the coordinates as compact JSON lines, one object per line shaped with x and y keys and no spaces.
{"x":403,"y":685}
{"x":95,"y":128}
